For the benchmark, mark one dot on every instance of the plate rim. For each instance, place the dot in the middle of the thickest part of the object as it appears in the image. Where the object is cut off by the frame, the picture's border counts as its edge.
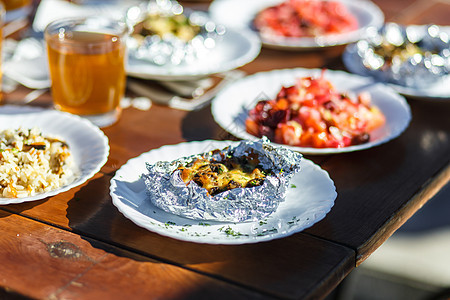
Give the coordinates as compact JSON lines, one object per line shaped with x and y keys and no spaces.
{"x":348,"y":58}
{"x":130,"y":213}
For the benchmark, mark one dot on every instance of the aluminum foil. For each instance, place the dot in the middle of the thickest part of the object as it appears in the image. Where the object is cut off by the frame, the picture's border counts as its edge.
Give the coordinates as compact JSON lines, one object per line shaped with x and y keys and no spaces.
{"x":413,"y":56}
{"x":169,"y":49}
{"x":169,"y":192}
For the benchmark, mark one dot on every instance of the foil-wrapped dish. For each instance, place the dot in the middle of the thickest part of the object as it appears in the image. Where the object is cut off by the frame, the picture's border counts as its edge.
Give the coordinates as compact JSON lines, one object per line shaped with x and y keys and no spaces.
{"x":244,"y":182}
{"x":164,"y":33}
{"x":412,"y":56}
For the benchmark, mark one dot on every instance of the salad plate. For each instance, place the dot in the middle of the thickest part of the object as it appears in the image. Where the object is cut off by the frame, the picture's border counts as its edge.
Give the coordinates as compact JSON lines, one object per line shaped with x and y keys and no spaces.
{"x":87,"y":143}
{"x":231,"y":106}
{"x":310,"y":197}
{"x":240,"y":14}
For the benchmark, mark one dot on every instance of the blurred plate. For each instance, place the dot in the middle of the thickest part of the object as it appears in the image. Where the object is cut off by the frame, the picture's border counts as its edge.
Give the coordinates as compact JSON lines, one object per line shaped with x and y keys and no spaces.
{"x":309,"y":198}
{"x":234,"y":49}
{"x":240,"y":14}
{"x":87,"y":143}
{"x":231,"y":105}
{"x":438,"y":91}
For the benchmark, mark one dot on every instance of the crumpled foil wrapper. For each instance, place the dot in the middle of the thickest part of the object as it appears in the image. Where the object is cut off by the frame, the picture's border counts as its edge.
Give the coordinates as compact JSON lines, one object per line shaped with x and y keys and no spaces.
{"x":417,"y":56}
{"x":169,"y":49}
{"x":169,"y":192}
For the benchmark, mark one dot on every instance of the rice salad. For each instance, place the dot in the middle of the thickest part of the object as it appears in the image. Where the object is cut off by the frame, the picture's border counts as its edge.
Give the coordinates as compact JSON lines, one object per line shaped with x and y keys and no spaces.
{"x":31,"y":163}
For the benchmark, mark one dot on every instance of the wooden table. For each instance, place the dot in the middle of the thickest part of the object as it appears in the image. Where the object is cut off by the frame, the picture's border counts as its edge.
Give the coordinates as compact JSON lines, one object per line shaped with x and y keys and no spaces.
{"x":78,"y":245}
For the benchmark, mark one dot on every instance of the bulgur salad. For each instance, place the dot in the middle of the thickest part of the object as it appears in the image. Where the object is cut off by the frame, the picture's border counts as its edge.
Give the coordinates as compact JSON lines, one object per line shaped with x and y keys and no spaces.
{"x":31,"y":163}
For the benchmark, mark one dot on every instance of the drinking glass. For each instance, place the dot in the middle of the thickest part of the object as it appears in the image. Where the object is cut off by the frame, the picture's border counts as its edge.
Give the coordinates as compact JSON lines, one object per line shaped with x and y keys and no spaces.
{"x":87,"y":66}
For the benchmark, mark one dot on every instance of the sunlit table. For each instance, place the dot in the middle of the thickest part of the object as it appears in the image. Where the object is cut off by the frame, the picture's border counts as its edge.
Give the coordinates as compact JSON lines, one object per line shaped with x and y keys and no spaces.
{"x":77,"y":245}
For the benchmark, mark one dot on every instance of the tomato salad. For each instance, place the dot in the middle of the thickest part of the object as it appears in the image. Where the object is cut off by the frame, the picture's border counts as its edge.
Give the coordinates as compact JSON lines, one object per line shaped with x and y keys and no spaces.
{"x":312,"y":113}
{"x":305,"y":18}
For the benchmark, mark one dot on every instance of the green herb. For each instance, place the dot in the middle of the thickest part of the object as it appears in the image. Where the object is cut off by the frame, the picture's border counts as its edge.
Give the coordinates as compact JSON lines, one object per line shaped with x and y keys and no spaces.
{"x":293,"y":186}
{"x":294,"y":220}
{"x":204,"y":224}
{"x":167,"y":224}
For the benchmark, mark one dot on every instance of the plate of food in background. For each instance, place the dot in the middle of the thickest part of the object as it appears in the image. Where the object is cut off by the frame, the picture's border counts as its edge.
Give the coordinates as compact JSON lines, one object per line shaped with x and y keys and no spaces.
{"x":311,"y":110}
{"x":300,"y":24}
{"x":169,"y":42}
{"x":414,"y":60}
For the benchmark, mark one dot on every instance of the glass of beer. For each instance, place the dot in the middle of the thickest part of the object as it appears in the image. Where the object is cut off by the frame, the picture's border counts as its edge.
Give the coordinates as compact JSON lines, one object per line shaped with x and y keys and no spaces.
{"x":87,"y":66}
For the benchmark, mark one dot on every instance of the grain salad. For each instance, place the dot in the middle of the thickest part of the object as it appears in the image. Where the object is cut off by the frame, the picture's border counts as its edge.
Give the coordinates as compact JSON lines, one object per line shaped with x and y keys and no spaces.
{"x":31,"y":163}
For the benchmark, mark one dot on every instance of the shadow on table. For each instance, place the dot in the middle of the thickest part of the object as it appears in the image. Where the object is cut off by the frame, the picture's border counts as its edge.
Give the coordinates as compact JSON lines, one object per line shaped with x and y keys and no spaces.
{"x":412,"y":264}
{"x":200,"y":125}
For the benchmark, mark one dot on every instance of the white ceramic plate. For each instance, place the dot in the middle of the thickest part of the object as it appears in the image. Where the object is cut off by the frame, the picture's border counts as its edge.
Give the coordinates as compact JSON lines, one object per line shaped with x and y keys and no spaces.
{"x":87,"y":143}
{"x":309,"y":198}
{"x":231,"y":105}
{"x":240,"y":14}
{"x":438,"y":91}
{"x":235,"y":49}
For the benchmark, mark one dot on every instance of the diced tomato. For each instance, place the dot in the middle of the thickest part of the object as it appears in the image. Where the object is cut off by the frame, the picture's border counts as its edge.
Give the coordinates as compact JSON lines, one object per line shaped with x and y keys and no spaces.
{"x":312,"y":113}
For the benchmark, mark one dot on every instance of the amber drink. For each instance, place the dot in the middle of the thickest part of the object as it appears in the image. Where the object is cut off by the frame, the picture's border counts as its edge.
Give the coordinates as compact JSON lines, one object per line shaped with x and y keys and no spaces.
{"x":87,"y":67}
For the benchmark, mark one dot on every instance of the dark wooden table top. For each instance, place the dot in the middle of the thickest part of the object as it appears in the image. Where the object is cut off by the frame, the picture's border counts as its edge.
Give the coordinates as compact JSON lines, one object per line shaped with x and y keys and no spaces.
{"x":78,"y":245}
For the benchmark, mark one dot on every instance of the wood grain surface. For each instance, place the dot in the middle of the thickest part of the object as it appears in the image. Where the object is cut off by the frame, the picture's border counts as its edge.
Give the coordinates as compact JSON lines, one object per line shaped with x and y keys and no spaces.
{"x":77,"y":245}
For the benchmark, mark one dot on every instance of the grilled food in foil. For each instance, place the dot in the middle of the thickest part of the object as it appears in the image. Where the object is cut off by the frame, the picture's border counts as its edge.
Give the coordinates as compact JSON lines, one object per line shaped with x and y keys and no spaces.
{"x":242,"y":182}
{"x":414,"y":56}
{"x":164,"y":34}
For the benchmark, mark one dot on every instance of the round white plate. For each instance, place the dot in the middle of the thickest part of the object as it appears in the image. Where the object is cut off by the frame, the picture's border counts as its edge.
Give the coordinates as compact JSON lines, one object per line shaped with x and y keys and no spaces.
{"x":87,"y":143}
{"x":234,"y":49}
{"x":440,"y":90}
{"x":309,"y":198}
{"x":231,"y":105}
{"x":240,"y":14}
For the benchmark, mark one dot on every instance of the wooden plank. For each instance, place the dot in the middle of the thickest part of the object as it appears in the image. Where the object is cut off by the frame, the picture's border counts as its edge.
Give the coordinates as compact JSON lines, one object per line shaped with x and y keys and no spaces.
{"x":40,"y":261}
{"x":377,"y":186}
{"x":291,"y":267}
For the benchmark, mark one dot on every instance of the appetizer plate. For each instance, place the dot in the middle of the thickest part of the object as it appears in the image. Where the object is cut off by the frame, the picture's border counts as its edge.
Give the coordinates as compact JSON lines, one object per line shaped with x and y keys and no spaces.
{"x":231,"y":105}
{"x":437,"y":92}
{"x":87,"y":143}
{"x":234,"y":49}
{"x":240,"y":14}
{"x":309,"y":198}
